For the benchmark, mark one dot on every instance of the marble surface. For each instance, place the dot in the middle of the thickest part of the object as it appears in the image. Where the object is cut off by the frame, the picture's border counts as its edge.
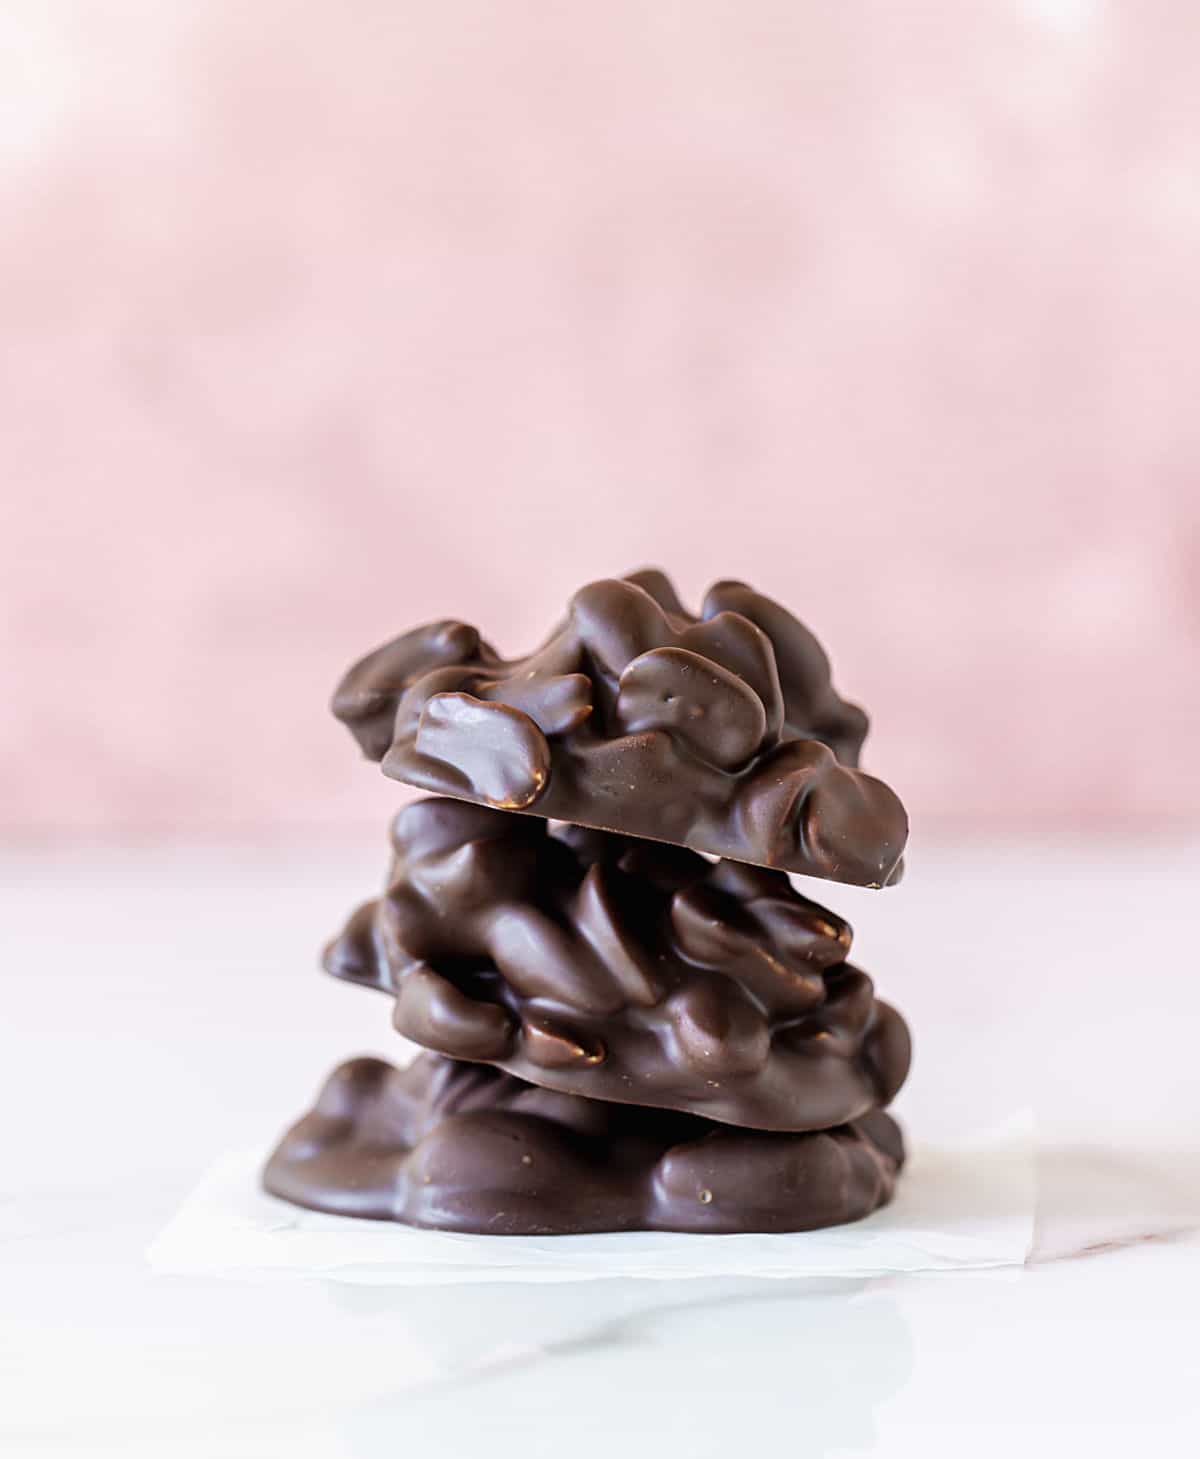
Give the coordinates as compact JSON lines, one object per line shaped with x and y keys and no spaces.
{"x":161,"y":1006}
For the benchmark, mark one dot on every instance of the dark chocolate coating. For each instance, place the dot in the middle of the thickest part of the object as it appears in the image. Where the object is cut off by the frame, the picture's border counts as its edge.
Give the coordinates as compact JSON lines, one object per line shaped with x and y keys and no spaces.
{"x":623,"y":970}
{"x":463,"y":1147}
{"x":720,"y":732}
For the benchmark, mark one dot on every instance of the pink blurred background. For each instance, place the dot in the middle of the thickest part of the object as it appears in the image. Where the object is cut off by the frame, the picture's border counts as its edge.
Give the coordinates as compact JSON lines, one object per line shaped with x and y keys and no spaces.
{"x":326,"y":317}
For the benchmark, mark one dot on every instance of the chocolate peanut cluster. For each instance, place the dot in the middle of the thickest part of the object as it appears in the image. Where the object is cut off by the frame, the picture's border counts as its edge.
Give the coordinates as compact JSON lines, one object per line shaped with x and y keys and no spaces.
{"x":623,"y":970}
{"x":464,"y":1147}
{"x":720,"y":732}
{"x":634,"y":1020}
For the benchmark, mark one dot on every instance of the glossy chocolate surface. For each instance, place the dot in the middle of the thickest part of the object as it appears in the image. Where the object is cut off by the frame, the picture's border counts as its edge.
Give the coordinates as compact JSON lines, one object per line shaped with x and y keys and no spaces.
{"x":463,"y":1147}
{"x":721,"y":732}
{"x":623,"y":970}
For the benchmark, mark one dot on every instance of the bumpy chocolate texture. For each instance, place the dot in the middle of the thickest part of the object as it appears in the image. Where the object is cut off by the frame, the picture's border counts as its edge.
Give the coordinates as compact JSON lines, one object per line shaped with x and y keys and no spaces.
{"x":623,"y":970}
{"x":722,"y":733}
{"x":466,"y":1148}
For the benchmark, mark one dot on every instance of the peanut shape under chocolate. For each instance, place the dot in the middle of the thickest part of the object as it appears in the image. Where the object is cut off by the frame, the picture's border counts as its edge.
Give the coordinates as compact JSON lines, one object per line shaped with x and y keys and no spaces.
{"x":463,"y":1147}
{"x":623,"y":970}
{"x":720,"y":732}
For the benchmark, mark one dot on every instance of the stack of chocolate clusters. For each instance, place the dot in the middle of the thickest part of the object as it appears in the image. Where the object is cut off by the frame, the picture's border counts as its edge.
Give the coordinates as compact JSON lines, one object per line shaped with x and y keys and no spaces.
{"x":633,"y":1019}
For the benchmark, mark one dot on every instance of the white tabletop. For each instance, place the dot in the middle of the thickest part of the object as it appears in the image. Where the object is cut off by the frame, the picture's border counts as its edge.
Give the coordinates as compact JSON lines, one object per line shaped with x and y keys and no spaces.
{"x":162,"y":1007}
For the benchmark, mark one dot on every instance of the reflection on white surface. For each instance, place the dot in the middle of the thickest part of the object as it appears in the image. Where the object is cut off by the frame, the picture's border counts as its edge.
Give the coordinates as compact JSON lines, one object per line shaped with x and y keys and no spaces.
{"x":695,"y":1371}
{"x":1099,"y":1351}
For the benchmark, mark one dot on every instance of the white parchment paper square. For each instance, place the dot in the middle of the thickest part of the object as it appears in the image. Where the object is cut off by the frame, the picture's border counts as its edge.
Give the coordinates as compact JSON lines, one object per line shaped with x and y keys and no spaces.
{"x":967,"y":1205}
